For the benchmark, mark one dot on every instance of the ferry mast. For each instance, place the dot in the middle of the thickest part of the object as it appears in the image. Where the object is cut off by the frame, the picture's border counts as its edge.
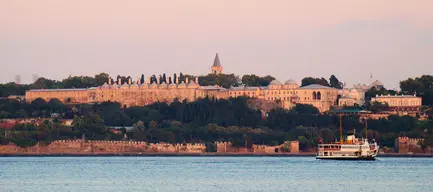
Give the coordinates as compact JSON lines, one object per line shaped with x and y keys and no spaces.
{"x":341,"y":129}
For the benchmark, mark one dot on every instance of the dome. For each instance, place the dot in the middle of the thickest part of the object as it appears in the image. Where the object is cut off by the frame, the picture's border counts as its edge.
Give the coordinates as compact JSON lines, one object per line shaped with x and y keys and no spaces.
{"x":182,"y":85}
{"x":105,"y":85}
{"x":354,"y":91}
{"x":192,"y":84}
{"x":377,"y":83}
{"x":124,"y":86}
{"x":163,"y":85}
{"x":275,"y":82}
{"x":290,"y":82}
{"x":364,"y":87}
{"x":115,"y":86}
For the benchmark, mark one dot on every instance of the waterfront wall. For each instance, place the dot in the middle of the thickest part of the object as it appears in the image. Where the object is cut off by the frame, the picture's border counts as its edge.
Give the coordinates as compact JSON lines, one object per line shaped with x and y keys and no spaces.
{"x":286,"y":147}
{"x":99,"y":147}
{"x":406,"y":145}
{"x":118,"y":147}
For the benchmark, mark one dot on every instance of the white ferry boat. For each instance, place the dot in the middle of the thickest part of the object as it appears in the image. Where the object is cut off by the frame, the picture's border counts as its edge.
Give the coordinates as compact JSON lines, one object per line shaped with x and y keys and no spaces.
{"x":351,"y":149}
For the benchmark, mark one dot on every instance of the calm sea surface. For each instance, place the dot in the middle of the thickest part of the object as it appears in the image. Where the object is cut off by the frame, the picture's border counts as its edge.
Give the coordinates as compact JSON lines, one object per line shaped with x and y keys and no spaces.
{"x":213,"y":174}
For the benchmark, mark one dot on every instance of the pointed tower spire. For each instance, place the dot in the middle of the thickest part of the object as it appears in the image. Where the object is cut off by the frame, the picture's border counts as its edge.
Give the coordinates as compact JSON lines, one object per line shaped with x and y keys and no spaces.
{"x":216,"y":67}
{"x":216,"y":61}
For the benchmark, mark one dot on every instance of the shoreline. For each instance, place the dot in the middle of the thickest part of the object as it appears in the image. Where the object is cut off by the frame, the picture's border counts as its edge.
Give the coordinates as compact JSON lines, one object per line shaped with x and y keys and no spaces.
{"x":191,"y":155}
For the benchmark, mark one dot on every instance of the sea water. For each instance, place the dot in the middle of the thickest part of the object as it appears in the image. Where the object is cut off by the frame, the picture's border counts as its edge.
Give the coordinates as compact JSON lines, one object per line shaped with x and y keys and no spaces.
{"x":169,"y":174}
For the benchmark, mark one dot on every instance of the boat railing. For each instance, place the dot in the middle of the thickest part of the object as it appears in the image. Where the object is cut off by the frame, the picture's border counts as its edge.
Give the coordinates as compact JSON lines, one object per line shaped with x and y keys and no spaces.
{"x":329,"y":149}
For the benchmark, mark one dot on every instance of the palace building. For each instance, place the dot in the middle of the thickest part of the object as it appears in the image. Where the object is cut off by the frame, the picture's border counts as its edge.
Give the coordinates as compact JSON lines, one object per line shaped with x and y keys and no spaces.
{"x":289,"y":94}
{"x":132,"y":93}
{"x":399,"y":100}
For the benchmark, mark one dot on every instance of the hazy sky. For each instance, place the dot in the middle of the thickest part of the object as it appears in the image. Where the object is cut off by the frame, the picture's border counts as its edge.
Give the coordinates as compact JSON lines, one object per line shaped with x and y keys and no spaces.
{"x":393,"y":39}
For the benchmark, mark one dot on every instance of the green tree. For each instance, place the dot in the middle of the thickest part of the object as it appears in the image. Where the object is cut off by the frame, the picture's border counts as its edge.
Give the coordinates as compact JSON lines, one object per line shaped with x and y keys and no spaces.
{"x":372,"y":92}
{"x":327,"y":135}
{"x":376,"y":107}
{"x":305,"y":109}
{"x":101,"y":78}
{"x":223,"y":80}
{"x":254,"y":80}
{"x":310,"y":80}
{"x":152,"y":126}
{"x":334,"y":82}
{"x":91,"y":125}
{"x":21,"y":114}
{"x":139,"y":132}
{"x":43,"y":83}
{"x":421,"y":86}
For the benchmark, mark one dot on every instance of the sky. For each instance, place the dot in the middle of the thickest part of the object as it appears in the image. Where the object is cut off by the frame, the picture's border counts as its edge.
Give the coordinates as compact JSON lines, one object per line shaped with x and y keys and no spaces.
{"x":391,"y":40}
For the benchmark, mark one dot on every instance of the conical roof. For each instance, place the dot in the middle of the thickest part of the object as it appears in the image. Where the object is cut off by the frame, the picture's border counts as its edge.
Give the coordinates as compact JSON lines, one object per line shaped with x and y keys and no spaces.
{"x":216,"y":61}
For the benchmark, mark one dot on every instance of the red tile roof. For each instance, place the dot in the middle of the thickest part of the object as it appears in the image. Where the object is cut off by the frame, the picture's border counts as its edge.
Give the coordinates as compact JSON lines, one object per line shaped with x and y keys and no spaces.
{"x":7,"y":125}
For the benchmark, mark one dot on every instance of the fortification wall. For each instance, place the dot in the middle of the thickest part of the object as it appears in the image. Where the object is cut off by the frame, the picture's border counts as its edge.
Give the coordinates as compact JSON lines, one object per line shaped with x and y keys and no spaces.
{"x":406,"y":145}
{"x":294,"y":146}
{"x":266,"y":149}
{"x":227,"y":147}
{"x":288,"y":146}
{"x":91,"y":147}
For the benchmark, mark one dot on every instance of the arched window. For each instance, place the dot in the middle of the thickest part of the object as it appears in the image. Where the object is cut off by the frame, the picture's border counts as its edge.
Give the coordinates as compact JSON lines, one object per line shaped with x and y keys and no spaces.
{"x":319,"y":95}
{"x":314,"y":95}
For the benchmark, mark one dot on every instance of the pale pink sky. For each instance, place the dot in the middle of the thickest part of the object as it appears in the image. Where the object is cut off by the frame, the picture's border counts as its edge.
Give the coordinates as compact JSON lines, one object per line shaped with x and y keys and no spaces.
{"x":393,"y":39}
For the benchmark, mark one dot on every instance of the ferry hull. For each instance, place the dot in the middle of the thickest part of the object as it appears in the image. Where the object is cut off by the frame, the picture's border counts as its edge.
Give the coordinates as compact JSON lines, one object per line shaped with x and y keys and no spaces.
{"x":369,"y":158}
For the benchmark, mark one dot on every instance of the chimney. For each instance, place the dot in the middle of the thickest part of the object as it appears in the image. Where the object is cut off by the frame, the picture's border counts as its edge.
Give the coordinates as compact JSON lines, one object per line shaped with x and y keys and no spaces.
{"x":148,"y":80}
{"x":109,"y":81}
{"x":129,"y":81}
{"x":196,"y":80}
{"x":119,"y":81}
{"x":186,"y":80}
{"x":177,"y":80}
{"x":157,"y":81}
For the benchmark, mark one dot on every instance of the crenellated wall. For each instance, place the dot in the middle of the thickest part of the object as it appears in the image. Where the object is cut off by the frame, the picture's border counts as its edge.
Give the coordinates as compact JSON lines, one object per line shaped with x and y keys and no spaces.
{"x":91,"y":147}
{"x":406,"y":145}
{"x":227,"y":147}
{"x":288,"y":146}
{"x":115,"y":147}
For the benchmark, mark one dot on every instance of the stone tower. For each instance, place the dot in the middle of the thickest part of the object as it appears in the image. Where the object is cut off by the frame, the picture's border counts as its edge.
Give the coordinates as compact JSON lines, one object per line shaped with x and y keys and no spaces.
{"x":216,"y":67}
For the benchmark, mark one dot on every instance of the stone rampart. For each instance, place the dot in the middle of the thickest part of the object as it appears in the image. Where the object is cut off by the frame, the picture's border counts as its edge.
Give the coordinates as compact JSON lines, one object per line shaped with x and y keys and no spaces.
{"x":96,"y":147}
{"x":286,"y":147}
{"x":406,"y":145}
